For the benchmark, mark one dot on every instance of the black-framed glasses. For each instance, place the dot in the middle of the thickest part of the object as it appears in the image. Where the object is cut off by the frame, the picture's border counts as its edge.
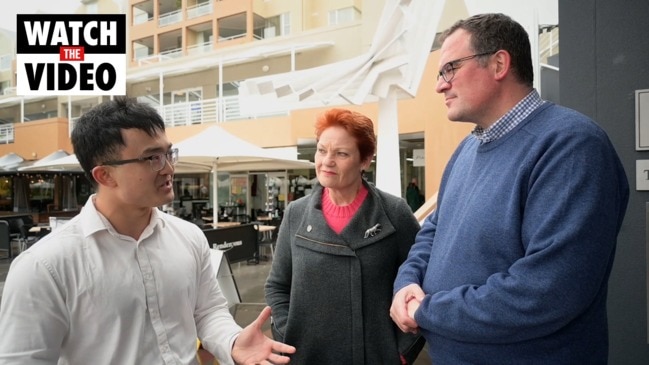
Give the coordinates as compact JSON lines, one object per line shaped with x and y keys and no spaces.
{"x":447,"y":72}
{"x":157,"y":161}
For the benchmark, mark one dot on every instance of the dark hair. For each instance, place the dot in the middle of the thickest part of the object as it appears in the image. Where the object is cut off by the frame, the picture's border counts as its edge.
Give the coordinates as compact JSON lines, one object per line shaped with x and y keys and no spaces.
{"x":356,"y":124}
{"x":97,"y":135}
{"x":493,"y":32}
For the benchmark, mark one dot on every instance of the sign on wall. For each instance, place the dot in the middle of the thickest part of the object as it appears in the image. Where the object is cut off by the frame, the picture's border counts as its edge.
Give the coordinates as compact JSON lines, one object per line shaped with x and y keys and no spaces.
{"x":418,"y":157}
{"x":642,"y":175}
{"x":71,"y":54}
{"x":642,"y":120}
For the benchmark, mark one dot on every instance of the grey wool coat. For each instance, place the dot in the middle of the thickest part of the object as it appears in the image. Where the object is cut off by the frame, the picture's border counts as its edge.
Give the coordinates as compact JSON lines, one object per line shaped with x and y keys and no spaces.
{"x":331,"y":293}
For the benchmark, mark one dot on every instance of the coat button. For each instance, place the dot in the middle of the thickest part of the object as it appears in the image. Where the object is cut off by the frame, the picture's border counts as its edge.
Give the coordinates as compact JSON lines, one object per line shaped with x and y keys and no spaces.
{"x":309,"y":228}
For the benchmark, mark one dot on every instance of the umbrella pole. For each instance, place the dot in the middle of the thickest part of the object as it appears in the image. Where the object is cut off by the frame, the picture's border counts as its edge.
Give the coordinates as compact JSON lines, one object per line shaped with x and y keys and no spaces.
{"x":215,"y":197}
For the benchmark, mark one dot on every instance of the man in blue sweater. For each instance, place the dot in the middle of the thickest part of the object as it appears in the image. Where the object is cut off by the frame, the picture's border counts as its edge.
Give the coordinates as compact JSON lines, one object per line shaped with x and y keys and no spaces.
{"x":512,"y":267}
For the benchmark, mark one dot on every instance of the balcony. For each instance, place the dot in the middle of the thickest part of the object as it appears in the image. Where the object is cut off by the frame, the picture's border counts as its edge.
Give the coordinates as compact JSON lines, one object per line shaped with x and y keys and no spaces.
{"x":217,"y":110}
{"x":198,"y":10}
{"x":170,"y":18}
{"x":6,"y":133}
{"x":199,"y":48}
{"x":142,"y":12}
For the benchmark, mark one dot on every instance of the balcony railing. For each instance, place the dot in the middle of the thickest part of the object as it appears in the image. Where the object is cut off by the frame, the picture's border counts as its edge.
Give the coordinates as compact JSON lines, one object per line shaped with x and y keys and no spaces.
{"x":142,"y":18}
{"x":236,"y":36}
{"x":6,"y":133}
{"x":199,"y":10}
{"x":167,"y":55}
{"x":207,"y":111}
{"x":199,"y":48}
{"x":171,"y":53}
{"x":216,"y":110}
{"x":170,"y":18}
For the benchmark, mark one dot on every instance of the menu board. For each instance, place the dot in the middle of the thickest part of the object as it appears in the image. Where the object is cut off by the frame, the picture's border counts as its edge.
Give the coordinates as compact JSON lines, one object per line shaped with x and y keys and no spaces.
{"x":238,"y":185}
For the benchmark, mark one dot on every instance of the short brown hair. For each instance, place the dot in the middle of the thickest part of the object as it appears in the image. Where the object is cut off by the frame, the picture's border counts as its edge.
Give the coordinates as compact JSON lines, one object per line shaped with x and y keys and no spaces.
{"x":493,"y":32}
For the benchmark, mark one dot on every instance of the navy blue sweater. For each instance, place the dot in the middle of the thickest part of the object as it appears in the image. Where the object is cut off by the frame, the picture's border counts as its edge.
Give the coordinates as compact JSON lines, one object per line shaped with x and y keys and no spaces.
{"x":516,"y":258}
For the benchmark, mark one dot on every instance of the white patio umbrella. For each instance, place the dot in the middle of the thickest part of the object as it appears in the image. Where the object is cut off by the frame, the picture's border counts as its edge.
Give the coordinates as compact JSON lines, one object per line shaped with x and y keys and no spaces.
{"x":212,"y":150}
{"x":56,"y":155}
{"x":220,"y":150}
{"x":71,"y":163}
{"x":10,"y":160}
{"x":67,"y":163}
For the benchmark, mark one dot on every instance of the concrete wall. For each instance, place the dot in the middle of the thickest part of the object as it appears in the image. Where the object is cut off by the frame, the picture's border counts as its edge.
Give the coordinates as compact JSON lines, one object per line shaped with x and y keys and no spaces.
{"x":604,"y":59}
{"x":40,"y":138}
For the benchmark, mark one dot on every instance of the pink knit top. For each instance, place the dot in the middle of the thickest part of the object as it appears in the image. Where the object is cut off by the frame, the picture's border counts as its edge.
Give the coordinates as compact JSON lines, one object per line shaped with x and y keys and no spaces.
{"x":339,"y":216}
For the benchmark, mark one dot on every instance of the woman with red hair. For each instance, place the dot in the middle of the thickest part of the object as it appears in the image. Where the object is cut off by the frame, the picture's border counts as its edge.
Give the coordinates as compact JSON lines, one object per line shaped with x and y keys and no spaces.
{"x":338,"y":251}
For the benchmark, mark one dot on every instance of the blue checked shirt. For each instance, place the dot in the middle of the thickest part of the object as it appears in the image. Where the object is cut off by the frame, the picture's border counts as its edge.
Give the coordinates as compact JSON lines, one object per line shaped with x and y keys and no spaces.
{"x":510,"y":120}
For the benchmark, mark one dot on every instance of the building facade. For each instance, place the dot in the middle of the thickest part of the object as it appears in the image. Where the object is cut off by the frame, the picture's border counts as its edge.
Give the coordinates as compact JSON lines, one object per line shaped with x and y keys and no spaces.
{"x":189,"y":59}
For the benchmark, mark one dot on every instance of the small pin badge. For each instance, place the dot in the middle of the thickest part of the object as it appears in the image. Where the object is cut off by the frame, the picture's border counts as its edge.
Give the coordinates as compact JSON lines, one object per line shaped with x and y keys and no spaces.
{"x":373,"y":231}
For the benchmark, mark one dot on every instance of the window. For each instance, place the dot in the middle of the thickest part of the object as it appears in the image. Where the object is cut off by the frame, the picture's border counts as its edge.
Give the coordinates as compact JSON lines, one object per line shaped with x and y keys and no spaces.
{"x":41,"y":192}
{"x":4,"y":85}
{"x":344,"y":15}
{"x":285,"y":21}
{"x":277,"y":25}
{"x":91,"y":8}
{"x":5,"y":61}
{"x":186,"y":96}
{"x":6,"y":193}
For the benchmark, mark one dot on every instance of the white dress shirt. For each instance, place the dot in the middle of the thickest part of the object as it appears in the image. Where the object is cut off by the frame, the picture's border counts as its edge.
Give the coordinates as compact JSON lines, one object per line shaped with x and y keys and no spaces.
{"x":86,"y":294}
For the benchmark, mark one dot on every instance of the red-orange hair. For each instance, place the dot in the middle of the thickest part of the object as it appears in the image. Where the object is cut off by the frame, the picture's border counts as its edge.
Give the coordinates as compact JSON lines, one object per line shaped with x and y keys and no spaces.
{"x":356,"y":124}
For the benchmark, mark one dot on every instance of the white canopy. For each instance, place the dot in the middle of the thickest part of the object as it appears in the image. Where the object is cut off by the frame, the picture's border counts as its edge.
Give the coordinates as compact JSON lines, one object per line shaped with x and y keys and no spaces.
{"x":45,"y":160}
{"x":213,"y":150}
{"x":219,"y":150}
{"x":67,"y":163}
{"x":215,"y":145}
{"x":10,"y":160}
{"x":71,"y":163}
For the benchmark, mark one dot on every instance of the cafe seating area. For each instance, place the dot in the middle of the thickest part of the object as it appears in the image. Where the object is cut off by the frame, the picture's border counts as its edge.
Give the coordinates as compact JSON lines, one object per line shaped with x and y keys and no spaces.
{"x":243,"y":241}
{"x":18,"y":232}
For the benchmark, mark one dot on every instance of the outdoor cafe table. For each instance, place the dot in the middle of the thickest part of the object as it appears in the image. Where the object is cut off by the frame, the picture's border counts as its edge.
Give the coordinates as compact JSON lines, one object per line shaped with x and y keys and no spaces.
{"x":37,"y":229}
{"x":223,"y":224}
{"x":266,"y":231}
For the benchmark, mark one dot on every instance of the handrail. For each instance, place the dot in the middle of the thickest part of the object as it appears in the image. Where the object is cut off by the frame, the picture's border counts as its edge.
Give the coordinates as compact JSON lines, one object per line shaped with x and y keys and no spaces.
{"x":426,"y":209}
{"x":6,"y":133}
{"x":197,"y":10}
{"x":199,"y":48}
{"x":236,"y":36}
{"x":208,"y":111}
{"x":172,"y":53}
{"x":169,"y":18}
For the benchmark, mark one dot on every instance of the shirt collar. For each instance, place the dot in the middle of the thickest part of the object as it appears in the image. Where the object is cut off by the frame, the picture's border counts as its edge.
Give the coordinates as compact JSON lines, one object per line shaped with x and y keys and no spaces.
{"x":94,"y":221}
{"x":510,"y":120}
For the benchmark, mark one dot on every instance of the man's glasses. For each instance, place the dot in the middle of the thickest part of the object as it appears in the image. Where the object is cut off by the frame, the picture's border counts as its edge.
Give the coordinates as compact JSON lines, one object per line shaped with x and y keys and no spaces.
{"x":447,"y":71}
{"x":157,"y":161}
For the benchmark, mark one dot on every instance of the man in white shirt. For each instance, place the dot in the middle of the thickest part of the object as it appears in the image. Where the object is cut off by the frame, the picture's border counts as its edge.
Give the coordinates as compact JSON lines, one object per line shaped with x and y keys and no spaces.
{"x":122,"y":282}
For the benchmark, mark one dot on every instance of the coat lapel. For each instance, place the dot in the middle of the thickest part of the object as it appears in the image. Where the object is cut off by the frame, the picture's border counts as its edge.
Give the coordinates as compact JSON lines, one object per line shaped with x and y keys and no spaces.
{"x":368,"y":226}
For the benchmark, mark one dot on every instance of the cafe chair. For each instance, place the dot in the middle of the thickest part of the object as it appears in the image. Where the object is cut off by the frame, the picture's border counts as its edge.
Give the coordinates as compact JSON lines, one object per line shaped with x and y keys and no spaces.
{"x":265,"y":239}
{"x":5,"y":241}
{"x":52,"y":208}
{"x":199,"y":222}
{"x":270,"y":244}
{"x":20,"y":233}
